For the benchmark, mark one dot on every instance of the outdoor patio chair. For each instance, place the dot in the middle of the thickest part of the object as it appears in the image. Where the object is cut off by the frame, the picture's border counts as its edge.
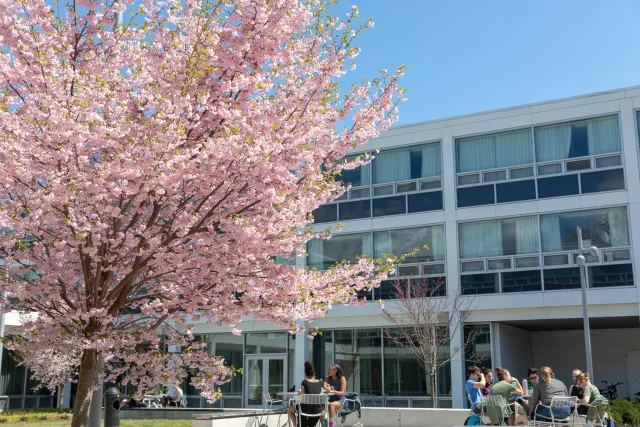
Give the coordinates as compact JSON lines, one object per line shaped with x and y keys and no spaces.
{"x":267,"y":409}
{"x":497,"y":409}
{"x":558,"y":405}
{"x":482,"y":413}
{"x":312,"y":399}
{"x":596,"y":413}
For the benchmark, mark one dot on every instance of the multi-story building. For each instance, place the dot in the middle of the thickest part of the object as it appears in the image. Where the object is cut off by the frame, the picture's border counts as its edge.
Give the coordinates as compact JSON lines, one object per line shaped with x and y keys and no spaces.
{"x":497,"y":196}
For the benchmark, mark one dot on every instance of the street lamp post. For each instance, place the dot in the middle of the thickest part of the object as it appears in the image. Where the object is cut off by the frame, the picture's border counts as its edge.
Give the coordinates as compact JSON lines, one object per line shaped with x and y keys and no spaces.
{"x":580,"y":260}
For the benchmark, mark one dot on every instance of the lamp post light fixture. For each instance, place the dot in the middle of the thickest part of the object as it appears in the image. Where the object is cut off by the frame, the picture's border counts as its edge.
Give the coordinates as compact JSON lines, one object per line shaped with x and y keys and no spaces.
{"x":581,"y":260}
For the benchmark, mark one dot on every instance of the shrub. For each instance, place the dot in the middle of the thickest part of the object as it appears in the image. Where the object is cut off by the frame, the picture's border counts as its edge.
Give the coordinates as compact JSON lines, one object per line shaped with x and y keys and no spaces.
{"x":23,"y":418}
{"x":64,"y":417}
{"x":625,"y":411}
{"x":3,"y":420}
{"x":43,"y":418}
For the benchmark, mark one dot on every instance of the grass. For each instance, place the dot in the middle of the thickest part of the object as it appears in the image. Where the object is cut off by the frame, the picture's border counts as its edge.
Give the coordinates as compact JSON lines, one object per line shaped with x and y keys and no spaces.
{"x":123,"y":423}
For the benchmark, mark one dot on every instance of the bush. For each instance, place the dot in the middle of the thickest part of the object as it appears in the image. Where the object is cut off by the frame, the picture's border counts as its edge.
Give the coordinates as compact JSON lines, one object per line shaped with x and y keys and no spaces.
{"x":625,"y":411}
{"x":23,"y":418}
{"x":43,"y":418}
{"x":64,"y":417}
{"x":3,"y":420}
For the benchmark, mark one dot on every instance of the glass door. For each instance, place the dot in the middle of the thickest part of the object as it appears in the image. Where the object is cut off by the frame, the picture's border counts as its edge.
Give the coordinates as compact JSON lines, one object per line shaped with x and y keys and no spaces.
{"x":263,"y":374}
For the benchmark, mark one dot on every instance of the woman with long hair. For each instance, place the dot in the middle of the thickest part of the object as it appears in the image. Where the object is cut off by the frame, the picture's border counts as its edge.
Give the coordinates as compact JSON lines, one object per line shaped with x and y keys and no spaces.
{"x":335,"y":383}
{"x":310,"y":385}
{"x":543,"y":392}
{"x":506,"y":387}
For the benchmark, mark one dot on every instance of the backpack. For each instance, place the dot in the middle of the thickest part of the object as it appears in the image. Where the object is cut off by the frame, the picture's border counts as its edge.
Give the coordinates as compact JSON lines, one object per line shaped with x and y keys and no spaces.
{"x":474,"y":420}
{"x":610,"y":422}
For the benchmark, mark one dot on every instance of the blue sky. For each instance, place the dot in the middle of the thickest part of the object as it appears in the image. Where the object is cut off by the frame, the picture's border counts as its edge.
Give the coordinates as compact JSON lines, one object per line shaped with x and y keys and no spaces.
{"x":470,"y":56}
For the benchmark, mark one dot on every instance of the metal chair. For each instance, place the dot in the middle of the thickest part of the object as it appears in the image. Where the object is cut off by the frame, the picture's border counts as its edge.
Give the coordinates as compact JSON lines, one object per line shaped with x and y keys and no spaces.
{"x":481,"y":405}
{"x":497,"y":406}
{"x":267,"y":409}
{"x":596,"y":413}
{"x":557,"y":405}
{"x":312,"y":399}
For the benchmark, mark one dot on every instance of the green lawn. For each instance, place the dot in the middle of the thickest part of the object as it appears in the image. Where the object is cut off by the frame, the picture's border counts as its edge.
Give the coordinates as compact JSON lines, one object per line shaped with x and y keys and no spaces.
{"x":123,"y":423}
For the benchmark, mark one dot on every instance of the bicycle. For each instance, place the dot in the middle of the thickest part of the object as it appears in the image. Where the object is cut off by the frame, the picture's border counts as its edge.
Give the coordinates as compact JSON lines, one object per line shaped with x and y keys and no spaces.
{"x":611,"y":391}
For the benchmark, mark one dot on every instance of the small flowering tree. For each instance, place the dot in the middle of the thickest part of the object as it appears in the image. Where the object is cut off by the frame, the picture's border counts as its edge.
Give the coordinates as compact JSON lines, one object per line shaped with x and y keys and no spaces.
{"x":151,"y":172}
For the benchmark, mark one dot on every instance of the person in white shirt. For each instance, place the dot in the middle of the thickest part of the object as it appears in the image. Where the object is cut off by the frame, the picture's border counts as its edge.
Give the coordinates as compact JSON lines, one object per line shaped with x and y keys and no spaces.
{"x":174,"y":397}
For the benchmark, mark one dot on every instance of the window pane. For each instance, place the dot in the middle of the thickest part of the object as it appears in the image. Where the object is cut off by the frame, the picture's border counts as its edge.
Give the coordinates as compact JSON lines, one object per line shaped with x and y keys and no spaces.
{"x":479,"y":352}
{"x":600,"y":227}
{"x":494,"y":151}
{"x":608,"y":180}
{"x":356,"y":177}
{"x":433,"y":269}
{"x":358,"y":193}
{"x":527,"y":262}
{"x":495,"y":176}
{"x":561,"y":278}
{"x":499,"y":264}
{"x":368,"y":361}
{"x":407,"y":163}
{"x":266,"y":342}
{"x":472,"y":266}
{"x":325,"y":213}
{"x":386,"y":290}
{"x":230,"y":348}
{"x":557,"y":186}
{"x":479,"y":283}
{"x":521,"y":173}
{"x":355,"y":210}
{"x":404,"y":374}
{"x":607,"y":162}
{"x":475,"y":196}
{"x":579,"y":165}
{"x":622,"y":255}
{"x":423,"y":202}
{"x":469,"y":179}
{"x":399,"y":242}
{"x":325,"y":253}
{"x":430,"y":185}
{"x":389,"y":206}
{"x":516,"y":191}
{"x":601,"y":276}
{"x":406,"y":187}
{"x":409,"y":270}
{"x":550,"y":260}
{"x":550,"y":169}
{"x":512,"y":236}
{"x":383,"y":190}
{"x":521,"y":281}
{"x":566,"y":140}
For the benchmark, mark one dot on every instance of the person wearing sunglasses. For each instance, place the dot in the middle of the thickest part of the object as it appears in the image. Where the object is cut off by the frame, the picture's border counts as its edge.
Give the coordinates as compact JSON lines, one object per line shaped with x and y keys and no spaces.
{"x":532,"y":379}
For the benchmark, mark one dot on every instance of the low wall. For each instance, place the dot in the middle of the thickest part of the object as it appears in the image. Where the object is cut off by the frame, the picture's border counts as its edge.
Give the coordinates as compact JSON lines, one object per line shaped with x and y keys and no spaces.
{"x":173,"y":413}
{"x":371,"y":417}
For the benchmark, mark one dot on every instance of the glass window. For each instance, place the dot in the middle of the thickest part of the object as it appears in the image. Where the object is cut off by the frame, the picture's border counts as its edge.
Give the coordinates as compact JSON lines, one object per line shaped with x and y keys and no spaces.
{"x":325,"y":253}
{"x":407,"y":187}
{"x":512,"y":236}
{"x":479,"y":283}
{"x":325,"y":213}
{"x":561,"y":278}
{"x":495,"y":176}
{"x":407,"y":163}
{"x":608,"y":162}
{"x":494,"y":151}
{"x":369,"y":359}
{"x":423,"y":202}
{"x":266,"y":342}
{"x":586,"y":138}
{"x":12,"y":375}
{"x":603,"y":228}
{"x":621,"y":255}
{"x":399,"y":242}
{"x":387,"y":289}
{"x":579,"y":165}
{"x":551,"y":260}
{"x":521,"y":173}
{"x":479,"y":352}
{"x":469,"y":179}
{"x":358,"y":193}
{"x":404,"y":374}
{"x":356,"y":177}
{"x":550,"y":169}
{"x":383,"y":190}
{"x":499,"y":264}
{"x":608,"y":180}
{"x":389,"y":206}
{"x":475,"y":196}
{"x":322,"y":352}
{"x":521,"y":281}
{"x":527,"y":262}
{"x":355,"y":210}
{"x":431,"y":184}
{"x":601,"y":276}
{"x":558,"y":186}
{"x":230,"y":348}
{"x":472,"y":266}
{"x":516,"y":191}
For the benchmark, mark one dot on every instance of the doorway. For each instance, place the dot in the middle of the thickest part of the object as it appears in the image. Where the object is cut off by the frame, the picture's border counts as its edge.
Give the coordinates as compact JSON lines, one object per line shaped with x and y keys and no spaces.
{"x":263,"y":374}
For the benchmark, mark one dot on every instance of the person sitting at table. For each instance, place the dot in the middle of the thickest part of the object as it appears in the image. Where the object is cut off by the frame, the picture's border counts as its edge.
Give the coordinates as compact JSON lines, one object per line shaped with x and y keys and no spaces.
{"x":488,"y":379}
{"x":577,"y":391}
{"x":506,"y":387}
{"x":135,"y":402}
{"x":310,"y":385}
{"x":335,"y":383}
{"x":543,"y":392}
{"x":590,"y":395}
{"x":174,"y":397}
{"x":473,"y":386}
{"x":532,"y":377}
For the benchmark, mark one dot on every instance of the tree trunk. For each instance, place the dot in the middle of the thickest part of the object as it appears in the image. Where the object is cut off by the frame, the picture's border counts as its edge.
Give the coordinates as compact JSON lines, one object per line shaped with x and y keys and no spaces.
{"x":60,"y":396}
{"x":86,"y":382}
{"x":432,"y":378}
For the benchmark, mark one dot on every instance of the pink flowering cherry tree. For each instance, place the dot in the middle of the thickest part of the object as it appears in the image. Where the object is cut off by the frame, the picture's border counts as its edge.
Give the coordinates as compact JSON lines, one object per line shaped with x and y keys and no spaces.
{"x":151,"y":171}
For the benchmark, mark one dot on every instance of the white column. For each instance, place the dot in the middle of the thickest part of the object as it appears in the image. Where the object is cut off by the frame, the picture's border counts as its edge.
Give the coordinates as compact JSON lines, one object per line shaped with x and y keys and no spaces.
{"x":300,"y":356}
{"x":457,"y":364}
{"x":496,"y":356}
{"x":66,"y":398}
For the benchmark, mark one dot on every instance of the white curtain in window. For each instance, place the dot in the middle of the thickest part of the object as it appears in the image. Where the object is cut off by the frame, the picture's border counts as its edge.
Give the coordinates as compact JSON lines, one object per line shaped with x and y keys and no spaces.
{"x":392,"y":165}
{"x":382,"y":243}
{"x":367,"y":246}
{"x":437,"y":242}
{"x":474,"y":154}
{"x":618,"y":227}
{"x":553,"y":142}
{"x":550,"y":231}
{"x":365,"y":174}
{"x":315,"y":253}
{"x":513,"y":148}
{"x":480,"y":239}
{"x":527,"y":235}
{"x":604,"y":135}
{"x":431,"y":160}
